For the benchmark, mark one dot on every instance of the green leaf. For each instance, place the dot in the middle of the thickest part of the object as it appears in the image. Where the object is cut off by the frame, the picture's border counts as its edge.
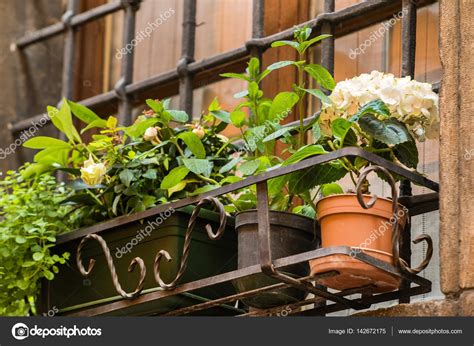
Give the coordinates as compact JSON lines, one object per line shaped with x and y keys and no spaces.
{"x":199,"y":166}
{"x":316,"y":130}
{"x":282,"y":105}
{"x":279,"y":133}
{"x":303,"y":153}
{"x":321,"y":75}
{"x":305,"y":210}
{"x":82,"y":112}
{"x":150,"y":174}
{"x":179,"y":116}
{"x":279,"y":64}
{"x":35,"y":169}
{"x":53,"y":156}
{"x":174,"y":177}
{"x":203,"y":189}
{"x":331,"y":189}
{"x":41,"y":142}
{"x":157,"y":107}
{"x":253,"y":90}
{"x":305,"y":45}
{"x":38,"y":256}
{"x":194,"y":144}
{"x":389,"y":131}
{"x":126,"y":177}
{"x":253,"y":68}
{"x":214,"y":105}
{"x":63,"y":121}
{"x":407,"y":153}
{"x":27,"y":264}
{"x":229,"y":165}
{"x":139,"y":128}
{"x":230,"y":180}
{"x":285,"y":43}
{"x":309,"y":178}
{"x":222,"y":116}
{"x":235,"y":75}
{"x":48,"y":275}
{"x":376,"y":107}
{"x":111,"y":122}
{"x":20,"y":240}
{"x":241,"y":94}
{"x":178,"y":187}
{"x":339,"y":128}
{"x":249,"y":167}
{"x":319,"y":94}
{"x":100,"y":123}
{"x":246,"y":201}
{"x":237,"y":117}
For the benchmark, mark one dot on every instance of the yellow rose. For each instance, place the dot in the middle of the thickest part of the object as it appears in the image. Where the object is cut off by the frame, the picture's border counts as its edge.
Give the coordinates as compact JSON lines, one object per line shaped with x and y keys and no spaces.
{"x":93,"y":173}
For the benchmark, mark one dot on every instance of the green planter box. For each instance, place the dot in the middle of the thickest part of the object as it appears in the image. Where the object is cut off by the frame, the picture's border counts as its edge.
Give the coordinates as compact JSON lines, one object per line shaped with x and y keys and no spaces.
{"x":70,"y":291}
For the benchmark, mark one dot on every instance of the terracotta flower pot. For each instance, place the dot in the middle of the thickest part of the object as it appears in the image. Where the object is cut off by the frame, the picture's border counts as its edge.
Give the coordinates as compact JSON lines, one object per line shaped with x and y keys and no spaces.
{"x":344,"y":222}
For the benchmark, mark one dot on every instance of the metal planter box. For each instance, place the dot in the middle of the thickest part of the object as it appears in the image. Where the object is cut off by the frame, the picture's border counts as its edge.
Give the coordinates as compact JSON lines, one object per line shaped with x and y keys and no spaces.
{"x":70,"y":292}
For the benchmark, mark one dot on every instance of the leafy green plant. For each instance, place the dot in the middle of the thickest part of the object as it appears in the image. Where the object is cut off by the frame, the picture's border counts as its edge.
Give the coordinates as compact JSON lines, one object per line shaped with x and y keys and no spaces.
{"x":31,"y":218}
{"x":263,"y":127}
{"x":129,"y":169}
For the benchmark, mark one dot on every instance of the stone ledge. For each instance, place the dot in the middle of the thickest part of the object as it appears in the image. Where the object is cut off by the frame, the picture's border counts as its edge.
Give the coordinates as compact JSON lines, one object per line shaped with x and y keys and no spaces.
{"x":443,"y":307}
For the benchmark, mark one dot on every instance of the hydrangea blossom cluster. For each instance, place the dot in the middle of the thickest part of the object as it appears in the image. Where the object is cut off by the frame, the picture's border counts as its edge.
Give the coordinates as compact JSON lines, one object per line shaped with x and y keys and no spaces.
{"x":411,"y":102}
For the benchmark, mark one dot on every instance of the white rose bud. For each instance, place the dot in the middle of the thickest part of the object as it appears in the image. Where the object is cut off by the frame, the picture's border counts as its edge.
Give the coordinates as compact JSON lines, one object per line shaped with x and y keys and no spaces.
{"x":151,"y":135}
{"x":199,"y":131}
{"x":93,"y":173}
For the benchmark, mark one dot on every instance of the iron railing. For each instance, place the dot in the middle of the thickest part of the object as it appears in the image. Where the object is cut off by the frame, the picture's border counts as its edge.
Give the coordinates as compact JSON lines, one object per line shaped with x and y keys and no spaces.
{"x":336,"y":301}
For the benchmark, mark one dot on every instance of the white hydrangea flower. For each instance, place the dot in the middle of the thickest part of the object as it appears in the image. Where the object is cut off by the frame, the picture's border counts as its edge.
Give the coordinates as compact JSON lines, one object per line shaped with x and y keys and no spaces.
{"x":413,"y":103}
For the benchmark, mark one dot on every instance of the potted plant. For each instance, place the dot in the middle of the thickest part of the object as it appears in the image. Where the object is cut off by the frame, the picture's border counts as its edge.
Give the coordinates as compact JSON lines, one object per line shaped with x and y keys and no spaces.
{"x":126,"y":170}
{"x":384,"y":115}
{"x":291,"y":225}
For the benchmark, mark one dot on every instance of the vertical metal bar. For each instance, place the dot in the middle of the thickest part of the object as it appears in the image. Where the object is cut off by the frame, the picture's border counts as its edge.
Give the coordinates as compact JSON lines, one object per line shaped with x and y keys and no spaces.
{"x":68,"y":62}
{"x":69,"y":51}
{"x":263,"y":226}
{"x":188,"y":43}
{"x":258,"y":26}
{"x":409,"y":8}
{"x":327,"y":45}
{"x":125,"y":106}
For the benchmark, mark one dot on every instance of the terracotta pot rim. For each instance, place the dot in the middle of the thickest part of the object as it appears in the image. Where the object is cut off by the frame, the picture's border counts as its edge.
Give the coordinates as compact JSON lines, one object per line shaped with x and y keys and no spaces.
{"x":358,"y":208}
{"x":355,"y":195}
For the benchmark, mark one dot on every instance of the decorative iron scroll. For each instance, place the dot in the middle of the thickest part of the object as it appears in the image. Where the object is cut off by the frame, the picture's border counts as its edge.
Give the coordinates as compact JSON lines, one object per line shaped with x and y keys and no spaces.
{"x":396,"y":239}
{"x":110,"y":263}
{"x":187,"y":242}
